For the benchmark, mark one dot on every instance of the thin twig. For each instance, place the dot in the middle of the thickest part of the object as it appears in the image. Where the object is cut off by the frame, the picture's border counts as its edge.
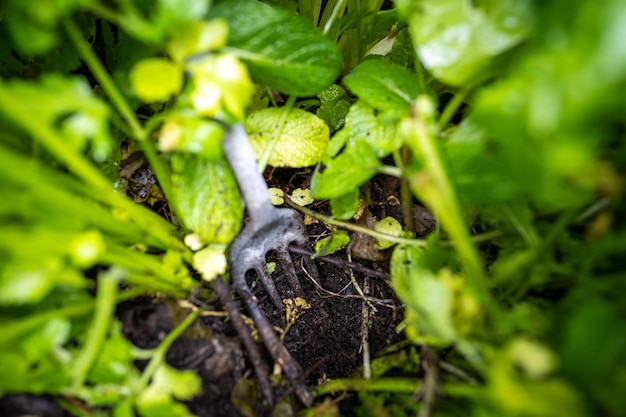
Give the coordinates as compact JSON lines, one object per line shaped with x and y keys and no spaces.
{"x":365,"y":330}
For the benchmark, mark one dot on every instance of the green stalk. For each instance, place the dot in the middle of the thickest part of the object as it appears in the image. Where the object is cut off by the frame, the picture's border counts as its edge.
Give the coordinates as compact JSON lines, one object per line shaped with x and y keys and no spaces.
{"x":453,"y":105}
{"x":99,"y":187}
{"x":310,"y":8}
{"x":159,"y":353}
{"x":122,"y":106}
{"x":147,"y":264}
{"x":334,"y":10}
{"x":103,"y":313}
{"x":435,"y":188}
{"x":398,"y":385}
{"x":14,"y":329}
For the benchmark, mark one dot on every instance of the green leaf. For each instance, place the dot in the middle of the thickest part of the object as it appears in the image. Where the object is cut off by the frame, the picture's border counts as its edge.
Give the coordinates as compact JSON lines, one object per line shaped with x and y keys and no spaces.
{"x":66,"y":104}
{"x":189,"y":133}
{"x":426,"y":296}
{"x":457,"y":41}
{"x":35,"y":29}
{"x":282,"y":50}
{"x":303,"y":136}
{"x":389,"y":226}
{"x":338,"y":240}
{"x":345,"y":206}
{"x":207,"y":198}
{"x":210,"y":261}
{"x":345,"y":172}
{"x":365,"y":125}
{"x":196,"y":38}
{"x":221,"y":86}
{"x":384,"y":85}
{"x":156,"y":79}
{"x":168,"y":383}
{"x":334,"y":107}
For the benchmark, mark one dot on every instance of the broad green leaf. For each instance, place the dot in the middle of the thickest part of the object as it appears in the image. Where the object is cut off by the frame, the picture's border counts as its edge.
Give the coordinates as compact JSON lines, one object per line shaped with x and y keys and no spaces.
{"x":207,"y":198}
{"x":303,"y":136}
{"x":282,"y":50}
{"x":365,"y":125}
{"x":384,"y":85}
{"x":345,"y":173}
{"x":114,"y":364}
{"x":457,"y":40}
{"x":156,"y":79}
{"x":338,"y":240}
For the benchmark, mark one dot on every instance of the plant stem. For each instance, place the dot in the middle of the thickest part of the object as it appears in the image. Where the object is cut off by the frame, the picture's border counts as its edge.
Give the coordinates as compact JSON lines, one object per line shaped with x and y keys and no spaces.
{"x":452,"y":107}
{"x":398,"y":385}
{"x":479,"y":238}
{"x":122,"y":106}
{"x":336,"y":8}
{"x":159,"y":353}
{"x":103,"y":313}
{"x":435,"y":188}
{"x":12,"y":330}
{"x":354,"y":227}
{"x":99,"y":187}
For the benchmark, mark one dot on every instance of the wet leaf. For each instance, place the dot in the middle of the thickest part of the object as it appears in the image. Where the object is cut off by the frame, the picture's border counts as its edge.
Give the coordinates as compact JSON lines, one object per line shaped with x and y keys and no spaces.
{"x":282,"y":50}
{"x":303,"y":136}
{"x":334,"y":107}
{"x":457,"y":41}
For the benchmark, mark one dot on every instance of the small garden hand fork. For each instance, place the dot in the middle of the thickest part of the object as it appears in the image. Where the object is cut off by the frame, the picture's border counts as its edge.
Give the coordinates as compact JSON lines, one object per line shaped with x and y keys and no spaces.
{"x":270,"y":229}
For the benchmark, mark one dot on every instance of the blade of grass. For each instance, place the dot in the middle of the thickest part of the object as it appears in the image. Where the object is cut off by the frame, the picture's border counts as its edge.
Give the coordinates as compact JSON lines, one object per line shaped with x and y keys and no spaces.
{"x":103,"y":313}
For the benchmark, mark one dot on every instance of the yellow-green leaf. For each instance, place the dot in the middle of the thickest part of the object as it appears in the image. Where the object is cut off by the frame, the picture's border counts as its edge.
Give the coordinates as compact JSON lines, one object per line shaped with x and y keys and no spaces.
{"x":155,"y":79}
{"x":302,"y":138}
{"x":198,"y":37}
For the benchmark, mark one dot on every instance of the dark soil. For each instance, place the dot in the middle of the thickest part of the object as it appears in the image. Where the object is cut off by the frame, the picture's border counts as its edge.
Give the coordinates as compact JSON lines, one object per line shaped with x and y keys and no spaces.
{"x":326,"y":339}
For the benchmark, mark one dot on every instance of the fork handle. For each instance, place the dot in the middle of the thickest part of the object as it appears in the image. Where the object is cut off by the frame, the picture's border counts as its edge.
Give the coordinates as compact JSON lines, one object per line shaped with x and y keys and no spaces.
{"x":252,"y":186}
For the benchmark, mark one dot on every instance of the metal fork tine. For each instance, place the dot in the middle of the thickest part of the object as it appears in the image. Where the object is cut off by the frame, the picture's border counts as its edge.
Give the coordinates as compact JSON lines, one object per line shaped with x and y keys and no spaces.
{"x":290,"y":271}
{"x":268,"y":283}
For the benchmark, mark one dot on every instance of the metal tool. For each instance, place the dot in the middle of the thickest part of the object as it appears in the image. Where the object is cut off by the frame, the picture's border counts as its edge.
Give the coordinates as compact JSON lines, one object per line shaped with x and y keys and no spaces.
{"x":269,"y":229}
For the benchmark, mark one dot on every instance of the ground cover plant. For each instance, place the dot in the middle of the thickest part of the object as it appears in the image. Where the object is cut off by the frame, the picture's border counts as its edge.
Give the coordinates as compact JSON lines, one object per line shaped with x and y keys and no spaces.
{"x":459,"y":165}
